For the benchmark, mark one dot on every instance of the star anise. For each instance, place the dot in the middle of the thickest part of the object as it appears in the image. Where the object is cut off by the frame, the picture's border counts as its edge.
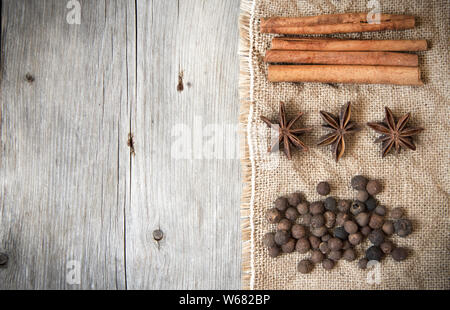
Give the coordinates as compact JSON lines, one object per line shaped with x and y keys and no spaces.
{"x":286,"y":133}
{"x":340,"y":126}
{"x":395,"y":133}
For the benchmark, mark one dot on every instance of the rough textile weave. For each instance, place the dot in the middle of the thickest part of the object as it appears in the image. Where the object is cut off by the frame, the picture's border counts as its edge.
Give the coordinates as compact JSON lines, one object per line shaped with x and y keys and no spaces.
{"x":417,"y":181}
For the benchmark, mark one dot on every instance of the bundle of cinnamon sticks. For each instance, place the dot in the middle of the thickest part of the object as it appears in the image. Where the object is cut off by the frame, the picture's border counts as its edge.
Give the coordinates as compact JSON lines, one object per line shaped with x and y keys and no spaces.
{"x":338,"y":60}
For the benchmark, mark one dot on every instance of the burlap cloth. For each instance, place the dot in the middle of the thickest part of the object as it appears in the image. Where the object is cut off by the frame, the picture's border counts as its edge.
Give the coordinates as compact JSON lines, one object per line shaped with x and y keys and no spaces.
{"x":417,"y":181}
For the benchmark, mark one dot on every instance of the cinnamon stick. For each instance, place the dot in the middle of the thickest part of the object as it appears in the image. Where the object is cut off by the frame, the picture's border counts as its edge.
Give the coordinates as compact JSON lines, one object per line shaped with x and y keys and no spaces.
{"x":335,"y":23}
{"x":326,"y":44}
{"x":345,"y":74}
{"x":342,"y":58}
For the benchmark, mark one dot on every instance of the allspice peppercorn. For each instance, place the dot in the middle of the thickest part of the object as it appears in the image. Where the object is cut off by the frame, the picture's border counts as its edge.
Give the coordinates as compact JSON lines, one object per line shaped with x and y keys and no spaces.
{"x":350,"y":227}
{"x":334,"y":228}
{"x":291,"y":214}
{"x":319,"y":232}
{"x":330,"y":204}
{"x":269,"y":239}
{"x":371,"y":204}
{"x":294,"y":199}
{"x":397,"y":213}
{"x":362,"y":219}
{"x":357,"y":207}
{"x":380,"y":210}
{"x":376,"y":237}
{"x":335,"y":244}
{"x":282,"y":237}
{"x":374,"y":253}
{"x":284,"y":224}
{"x":355,"y":238}
{"x":403,"y":227}
{"x":349,"y":255}
{"x":316,"y":208}
{"x":339,"y":232}
{"x":330,"y":219}
{"x":373,"y":187}
{"x":324,"y":248}
{"x":281,"y":204}
{"x":274,"y":251}
{"x":323,"y":188}
{"x":344,"y":205}
{"x":388,"y":228}
{"x":314,"y":241}
{"x":359,"y":182}
{"x":303,"y":208}
{"x":335,"y":255}
{"x":273,"y":216}
{"x":387,"y":247}
{"x":399,"y":254}
{"x":365,"y":231}
{"x":317,"y":221}
{"x":326,"y":237}
{"x":298,"y":231}
{"x":305,"y":266}
{"x":346,"y":245}
{"x":305,"y":219}
{"x":328,"y":264}
{"x":289,"y":246}
{"x":341,"y":218}
{"x":302,"y":246}
{"x":317,"y":257}
{"x":376,"y":221}
{"x":362,"y":196}
{"x":362,"y":263}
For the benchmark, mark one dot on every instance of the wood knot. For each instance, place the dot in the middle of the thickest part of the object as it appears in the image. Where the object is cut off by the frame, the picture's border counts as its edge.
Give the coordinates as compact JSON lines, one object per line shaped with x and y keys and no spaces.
{"x":180,"y":86}
{"x":130,"y":143}
{"x":3,"y":260}
{"x":29,"y":78}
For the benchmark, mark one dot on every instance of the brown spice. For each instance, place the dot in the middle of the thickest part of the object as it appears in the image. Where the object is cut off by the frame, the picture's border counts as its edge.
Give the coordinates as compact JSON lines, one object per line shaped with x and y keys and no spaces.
{"x":302,"y":246}
{"x":305,"y":266}
{"x":314,"y":241}
{"x":376,"y":221}
{"x":287,"y":136}
{"x":284,"y":224}
{"x":282,"y":237}
{"x":340,"y":127}
{"x":298,"y":231}
{"x":289,"y":246}
{"x":269,"y":239}
{"x":281,"y":204}
{"x":303,"y":208}
{"x":316,"y":208}
{"x":395,"y":133}
{"x":273,"y":216}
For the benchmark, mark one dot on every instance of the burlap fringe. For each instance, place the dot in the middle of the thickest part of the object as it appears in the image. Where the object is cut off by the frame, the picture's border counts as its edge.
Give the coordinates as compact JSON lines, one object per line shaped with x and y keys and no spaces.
{"x":245,"y":103}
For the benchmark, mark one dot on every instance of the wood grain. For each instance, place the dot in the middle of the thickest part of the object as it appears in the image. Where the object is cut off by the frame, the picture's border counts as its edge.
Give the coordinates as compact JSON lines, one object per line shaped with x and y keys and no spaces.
{"x":193,"y":201}
{"x":64,"y":158}
{"x":69,"y":188}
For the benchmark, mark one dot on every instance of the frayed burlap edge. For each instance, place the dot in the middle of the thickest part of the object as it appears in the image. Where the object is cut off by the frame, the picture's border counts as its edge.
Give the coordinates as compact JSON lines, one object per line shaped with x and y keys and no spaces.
{"x":245,"y":94}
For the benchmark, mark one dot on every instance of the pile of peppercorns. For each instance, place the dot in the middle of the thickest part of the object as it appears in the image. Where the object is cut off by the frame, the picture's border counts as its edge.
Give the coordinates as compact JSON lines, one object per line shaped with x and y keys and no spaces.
{"x":333,"y":229}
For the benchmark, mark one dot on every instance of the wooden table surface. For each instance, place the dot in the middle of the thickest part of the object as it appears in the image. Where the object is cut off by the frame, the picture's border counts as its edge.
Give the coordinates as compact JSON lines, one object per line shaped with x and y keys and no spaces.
{"x":77,"y":208}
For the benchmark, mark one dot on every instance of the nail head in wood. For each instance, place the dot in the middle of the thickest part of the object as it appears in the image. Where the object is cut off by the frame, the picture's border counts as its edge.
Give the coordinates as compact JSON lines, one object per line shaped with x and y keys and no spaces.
{"x":158,"y":235}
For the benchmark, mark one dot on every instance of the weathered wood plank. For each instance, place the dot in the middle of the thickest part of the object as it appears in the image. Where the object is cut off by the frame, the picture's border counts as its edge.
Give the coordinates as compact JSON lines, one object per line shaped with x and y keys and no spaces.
{"x":64,"y":160}
{"x":194,"y":201}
